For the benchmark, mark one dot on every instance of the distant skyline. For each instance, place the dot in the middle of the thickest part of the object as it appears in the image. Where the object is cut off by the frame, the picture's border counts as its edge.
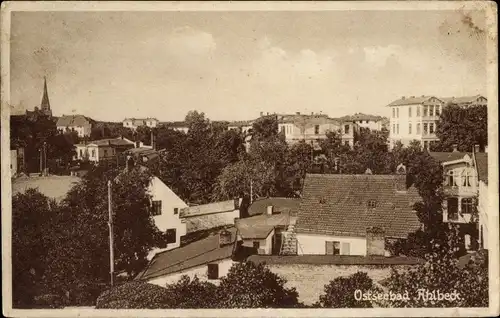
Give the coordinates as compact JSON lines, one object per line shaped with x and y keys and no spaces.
{"x":233,"y":65}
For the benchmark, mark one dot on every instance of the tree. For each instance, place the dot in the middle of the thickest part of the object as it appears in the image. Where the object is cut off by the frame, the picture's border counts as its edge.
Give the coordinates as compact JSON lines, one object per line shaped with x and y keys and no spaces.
{"x":248,"y":285}
{"x":192,"y":293}
{"x":341,"y":292}
{"x":134,"y":295}
{"x":442,"y":272}
{"x":32,"y":216}
{"x":462,"y":126}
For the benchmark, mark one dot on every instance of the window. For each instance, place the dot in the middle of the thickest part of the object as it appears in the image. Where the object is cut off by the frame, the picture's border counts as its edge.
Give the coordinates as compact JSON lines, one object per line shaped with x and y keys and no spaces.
{"x":418,"y":111}
{"x":372,"y":204}
{"x":316,"y":130}
{"x":397,"y":112}
{"x":105,"y":152}
{"x":93,"y":153}
{"x":394,"y":113}
{"x":397,"y":129}
{"x":437,"y":110}
{"x":452,"y":208}
{"x":451,"y":182}
{"x":283,"y":129}
{"x":409,"y":129}
{"x":393,"y":128}
{"x":256,"y":245}
{"x":466,"y":178}
{"x":431,"y":110}
{"x":426,"y":144}
{"x":425,"y":129}
{"x":409,"y":111}
{"x":176,"y":210}
{"x":213,"y":271}
{"x":418,"y":129}
{"x":81,"y":153}
{"x":332,"y":247}
{"x":346,"y":248}
{"x":431,"y":128}
{"x":346,"y":143}
{"x":425,"y":111}
{"x":467,"y":205}
{"x":346,"y":129}
{"x":171,"y":235}
{"x":156,"y":207}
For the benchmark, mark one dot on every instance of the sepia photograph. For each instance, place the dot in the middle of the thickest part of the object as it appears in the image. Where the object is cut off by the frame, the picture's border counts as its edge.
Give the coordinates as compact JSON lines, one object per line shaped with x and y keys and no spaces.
{"x":309,"y":159}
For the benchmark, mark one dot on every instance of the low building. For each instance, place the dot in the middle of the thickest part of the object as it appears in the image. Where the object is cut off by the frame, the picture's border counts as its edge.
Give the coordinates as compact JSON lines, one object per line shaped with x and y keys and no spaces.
{"x":101,"y":150}
{"x":466,"y":101}
{"x":211,"y":215}
{"x":355,"y":214}
{"x":209,"y":259}
{"x":133,"y":123}
{"x":309,"y":273}
{"x":371,"y":122}
{"x":177,"y":126}
{"x":244,"y":126}
{"x":79,"y":123}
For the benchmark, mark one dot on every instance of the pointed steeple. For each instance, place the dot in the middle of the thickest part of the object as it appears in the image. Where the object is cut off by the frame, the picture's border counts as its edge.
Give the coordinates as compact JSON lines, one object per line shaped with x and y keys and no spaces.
{"x":45,"y":105}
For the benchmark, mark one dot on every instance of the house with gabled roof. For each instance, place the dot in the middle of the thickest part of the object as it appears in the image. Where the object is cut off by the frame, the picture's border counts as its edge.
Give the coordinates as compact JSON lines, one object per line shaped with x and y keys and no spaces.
{"x":354,"y":214}
{"x":103,"y":149}
{"x":79,"y":123}
{"x":133,"y":123}
{"x":466,"y":101}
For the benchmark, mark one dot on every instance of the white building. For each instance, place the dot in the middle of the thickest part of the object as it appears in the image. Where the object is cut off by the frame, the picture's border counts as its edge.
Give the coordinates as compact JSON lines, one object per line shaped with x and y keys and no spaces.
{"x":104,"y":149}
{"x":79,"y":123}
{"x":133,"y":123}
{"x":354,"y":214}
{"x":209,"y":259}
{"x":211,"y":215}
{"x":371,"y":122}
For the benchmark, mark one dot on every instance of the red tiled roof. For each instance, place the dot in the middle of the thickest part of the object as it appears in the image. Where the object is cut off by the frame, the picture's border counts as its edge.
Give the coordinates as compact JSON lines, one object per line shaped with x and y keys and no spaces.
{"x":259,"y":206}
{"x":192,"y":255}
{"x":482,"y":166}
{"x":338,"y":205}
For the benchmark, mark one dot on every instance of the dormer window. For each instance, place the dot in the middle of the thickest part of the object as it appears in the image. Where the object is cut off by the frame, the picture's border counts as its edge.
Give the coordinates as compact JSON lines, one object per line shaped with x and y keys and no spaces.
{"x":451,"y":179}
{"x":176,"y":210}
{"x":372,"y":204}
{"x":466,"y":178}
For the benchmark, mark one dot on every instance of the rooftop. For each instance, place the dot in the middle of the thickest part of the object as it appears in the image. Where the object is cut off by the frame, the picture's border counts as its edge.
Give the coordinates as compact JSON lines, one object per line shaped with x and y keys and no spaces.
{"x":334,"y":260}
{"x":361,"y":116}
{"x":462,"y":99}
{"x":195,"y":254}
{"x":448,"y":156}
{"x":73,"y":120}
{"x":339,"y":204}
{"x":215,"y":207}
{"x":259,"y":226}
{"x":259,"y":206}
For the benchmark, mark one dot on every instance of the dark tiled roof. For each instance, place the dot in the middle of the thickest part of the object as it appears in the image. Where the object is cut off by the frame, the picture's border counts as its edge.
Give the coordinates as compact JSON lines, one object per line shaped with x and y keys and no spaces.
{"x":410,"y":100}
{"x":195,"y":254}
{"x":448,"y":156}
{"x":361,"y":116}
{"x":461,"y":100}
{"x":112,"y":142}
{"x":335,"y":260}
{"x":259,"y":226}
{"x":338,"y":204}
{"x":139,"y":121}
{"x":73,"y":120}
{"x":210,"y":208}
{"x":482,"y":166}
{"x":259,"y":206}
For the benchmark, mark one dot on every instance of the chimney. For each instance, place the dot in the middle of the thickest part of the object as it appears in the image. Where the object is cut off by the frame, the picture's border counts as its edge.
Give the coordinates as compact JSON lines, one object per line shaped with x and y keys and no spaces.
{"x":375,"y":241}
{"x":261,"y":114}
{"x":455,"y":147}
{"x":403,"y":97}
{"x":225,"y":238}
{"x":269,"y":210}
{"x":476,"y":148}
{"x":400,"y":179}
{"x":267,"y":113}
{"x":297,"y":113}
{"x":312,"y":113}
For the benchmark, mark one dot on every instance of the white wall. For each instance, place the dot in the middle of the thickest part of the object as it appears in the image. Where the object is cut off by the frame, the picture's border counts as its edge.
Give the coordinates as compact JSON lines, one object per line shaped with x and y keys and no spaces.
{"x":308,"y":244}
{"x":200,"y":271}
{"x":167,"y":219}
{"x":13,"y":162}
{"x":483,"y":213}
{"x":207,"y":221}
{"x":266,"y":244}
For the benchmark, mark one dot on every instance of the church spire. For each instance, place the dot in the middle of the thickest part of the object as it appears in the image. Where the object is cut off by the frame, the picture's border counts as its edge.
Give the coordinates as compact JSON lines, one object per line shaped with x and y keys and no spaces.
{"x":45,"y":105}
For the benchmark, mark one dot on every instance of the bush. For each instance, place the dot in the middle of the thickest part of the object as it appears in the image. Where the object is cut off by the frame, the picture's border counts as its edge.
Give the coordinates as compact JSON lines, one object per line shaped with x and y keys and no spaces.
{"x":254,"y":286}
{"x":49,"y":301}
{"x":134,"y":295}
{"x":339,"y":293}
{"x":187,"y":293}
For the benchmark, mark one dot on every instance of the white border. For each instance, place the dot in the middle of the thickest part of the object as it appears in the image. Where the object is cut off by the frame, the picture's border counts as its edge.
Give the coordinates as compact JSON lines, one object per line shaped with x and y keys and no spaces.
{"x":489,"y":7}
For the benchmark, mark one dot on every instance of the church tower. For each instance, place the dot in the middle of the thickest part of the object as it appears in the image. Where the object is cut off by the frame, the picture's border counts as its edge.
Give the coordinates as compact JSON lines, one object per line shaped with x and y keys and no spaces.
{"x":45,"y":105}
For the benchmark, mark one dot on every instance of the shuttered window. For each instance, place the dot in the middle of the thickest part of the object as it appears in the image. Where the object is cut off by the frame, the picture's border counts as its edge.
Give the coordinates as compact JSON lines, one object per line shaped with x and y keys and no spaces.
{"x":332,"y":248}
{"x":171,"y":235}
{"x":346,"y":248}
{"x":213,"y":271}
{"x":156,"y":207}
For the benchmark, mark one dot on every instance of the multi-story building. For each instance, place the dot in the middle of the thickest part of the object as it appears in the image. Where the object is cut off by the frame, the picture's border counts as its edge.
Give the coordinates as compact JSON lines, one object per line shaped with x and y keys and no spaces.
{"x":414,"y":118}
{"x":79,"y":123}
{"x":101,"y":150}
{"x":133,"y":123}
{"x":371,"y":122}
{"x":465,"y":174}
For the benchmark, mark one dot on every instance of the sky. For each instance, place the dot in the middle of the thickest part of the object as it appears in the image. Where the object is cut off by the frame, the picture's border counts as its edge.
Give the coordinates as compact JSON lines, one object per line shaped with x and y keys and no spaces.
{"x":233,"y":65}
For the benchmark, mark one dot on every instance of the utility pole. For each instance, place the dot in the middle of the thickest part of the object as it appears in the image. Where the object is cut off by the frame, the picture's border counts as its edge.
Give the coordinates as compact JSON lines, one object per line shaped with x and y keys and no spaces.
{"x":41,"y":162}
{"x":110,"y":223}
{"x":251,"y":190}
{"x":45,"y":157}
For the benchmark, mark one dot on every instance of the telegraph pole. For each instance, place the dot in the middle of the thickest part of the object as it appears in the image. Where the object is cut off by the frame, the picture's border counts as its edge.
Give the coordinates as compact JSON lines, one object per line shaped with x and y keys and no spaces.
{"x":45,"y":157}
{"x":251,"y":190}
{"x":110,"y":223}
